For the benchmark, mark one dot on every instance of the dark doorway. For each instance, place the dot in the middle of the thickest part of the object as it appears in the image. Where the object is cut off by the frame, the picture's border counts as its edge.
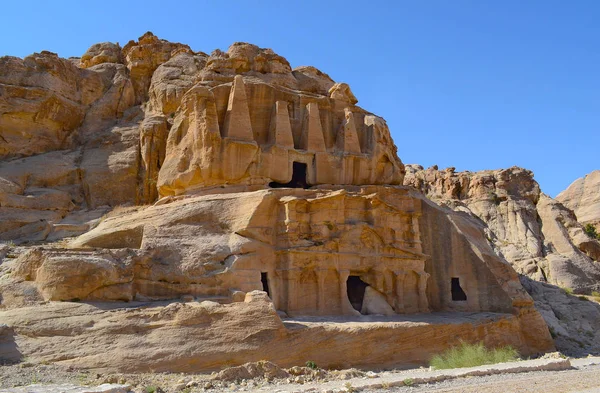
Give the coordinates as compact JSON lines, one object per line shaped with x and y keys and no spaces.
{"x":457,"y":292}
{"x":265,"y":282}
{"x":356,"y":291}
{"x":298,"y":177}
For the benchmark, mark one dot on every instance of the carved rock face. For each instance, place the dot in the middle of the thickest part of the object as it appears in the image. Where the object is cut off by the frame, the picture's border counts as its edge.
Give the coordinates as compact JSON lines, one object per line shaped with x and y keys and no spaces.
{"x":255,"y":132}
{"x":535,"y":233}
{"x":217,"y":151}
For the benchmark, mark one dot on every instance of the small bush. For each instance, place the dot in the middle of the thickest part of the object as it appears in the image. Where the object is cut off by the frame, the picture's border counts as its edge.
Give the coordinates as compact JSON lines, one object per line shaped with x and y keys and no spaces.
{"x":590,"y":230}
{"x":595,"y":294}
{"x":583,"y":298}
{"x":151,"y":389}
{"x":567,"y":290}
{"x":408,"y":382}
{"x":471,"y":355}
{"x":311,"y":364}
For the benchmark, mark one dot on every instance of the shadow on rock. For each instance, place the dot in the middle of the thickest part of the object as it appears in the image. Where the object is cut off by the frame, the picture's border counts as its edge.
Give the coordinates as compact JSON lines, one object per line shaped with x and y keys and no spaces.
{"x":572,"y":320}
{"x":9,"y":352}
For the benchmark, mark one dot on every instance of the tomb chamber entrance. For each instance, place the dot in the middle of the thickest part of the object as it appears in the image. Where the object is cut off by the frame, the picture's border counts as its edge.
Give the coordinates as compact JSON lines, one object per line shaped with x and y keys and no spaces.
{"x":457,"y":292}
{"x":298,"y":177}
{"x":356,"y":291}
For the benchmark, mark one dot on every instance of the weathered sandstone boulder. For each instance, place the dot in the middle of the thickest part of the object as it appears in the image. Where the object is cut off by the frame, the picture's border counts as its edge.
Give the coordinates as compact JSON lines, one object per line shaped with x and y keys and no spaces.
{"x":143,"y":57}
{"x":78,"y":275}
{"x":251,"y":370}
{"x":172,"y":79}
{"x":44,"y":99}
{"x":374,"y":302}
{"x":536,"y":234}
{"x":104,"y":52}
{"x":583,"y":197}
{"x":248,"y":59}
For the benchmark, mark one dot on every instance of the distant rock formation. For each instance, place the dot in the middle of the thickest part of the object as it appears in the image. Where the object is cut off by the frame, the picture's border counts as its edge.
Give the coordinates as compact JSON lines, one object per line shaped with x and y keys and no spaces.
{"x":536,"y":234}
{"x":583,"y":197}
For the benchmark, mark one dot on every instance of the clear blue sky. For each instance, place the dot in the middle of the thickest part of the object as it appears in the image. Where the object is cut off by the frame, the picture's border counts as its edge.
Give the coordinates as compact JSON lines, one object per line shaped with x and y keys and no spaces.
{"x":475,"y":84}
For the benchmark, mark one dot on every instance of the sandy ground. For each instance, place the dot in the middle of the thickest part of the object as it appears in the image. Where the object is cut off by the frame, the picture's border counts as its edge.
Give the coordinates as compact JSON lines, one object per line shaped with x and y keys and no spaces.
{"x":582,"y":380}
{"x":584,"y":377}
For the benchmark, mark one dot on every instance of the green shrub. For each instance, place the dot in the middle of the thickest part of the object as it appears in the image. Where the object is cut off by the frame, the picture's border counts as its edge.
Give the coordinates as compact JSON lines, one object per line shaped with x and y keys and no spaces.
{"x":567,"y":290}
{"x":595,"y":294}
{"x":590,"y":230}
{"x":151,"y":389}
{"x":311,"y":364}
{"x":583,"y":298}
{"x":471,"y":355}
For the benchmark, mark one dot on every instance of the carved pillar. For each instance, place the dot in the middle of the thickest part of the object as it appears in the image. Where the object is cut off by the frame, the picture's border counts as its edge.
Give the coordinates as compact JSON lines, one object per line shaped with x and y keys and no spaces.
{"x":321,"y":274}
{"x":344,"y":301}
{"x":416,"y":238}
{"x":400,"y":275}
{"x":274,"y":279}
{"x":388,"y":287}
{"x":292,"y":294}
{"x":379,"y":279}
{"x":237,"y":119}
{"x":423,"y":303}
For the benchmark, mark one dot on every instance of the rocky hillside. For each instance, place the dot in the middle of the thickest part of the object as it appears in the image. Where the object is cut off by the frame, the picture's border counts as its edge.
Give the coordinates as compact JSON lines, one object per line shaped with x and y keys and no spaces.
{"x":538,"y":235}
{"x":150,"y":193}
{"x":174,"y":187}
{"x":81,"y":136}
{"x":583,"y":197}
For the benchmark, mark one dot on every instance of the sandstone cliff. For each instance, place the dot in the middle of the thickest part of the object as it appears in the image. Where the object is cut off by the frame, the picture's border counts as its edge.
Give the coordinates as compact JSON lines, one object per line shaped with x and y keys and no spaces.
{"x":213,"y":249}
{"x":123,"y":125}
{"x":583,"y":197}
{"x":536,"y":234}
{"x":139,"y":178}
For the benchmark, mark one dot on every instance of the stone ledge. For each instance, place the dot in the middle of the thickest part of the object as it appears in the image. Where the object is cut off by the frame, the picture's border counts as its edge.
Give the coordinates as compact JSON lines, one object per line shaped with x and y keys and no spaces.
{"x":422,"y":376}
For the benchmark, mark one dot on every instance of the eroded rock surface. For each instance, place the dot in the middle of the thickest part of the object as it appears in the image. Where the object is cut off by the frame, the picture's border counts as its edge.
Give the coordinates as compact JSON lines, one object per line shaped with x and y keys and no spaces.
{"x":74,"y":137}
{"x":583,"y":197}
{"x":573,"y":320}
{"x":189,"y":337}
{"x":218,"y":246}
{"x":211,"y":194}
{"x":536,"y":234}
